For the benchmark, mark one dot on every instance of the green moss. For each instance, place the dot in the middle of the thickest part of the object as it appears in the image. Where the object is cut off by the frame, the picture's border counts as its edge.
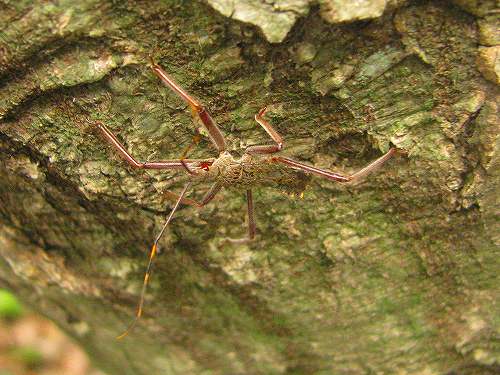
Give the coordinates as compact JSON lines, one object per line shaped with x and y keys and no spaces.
{"x":30,"y":357}
{"x":10,"y":308}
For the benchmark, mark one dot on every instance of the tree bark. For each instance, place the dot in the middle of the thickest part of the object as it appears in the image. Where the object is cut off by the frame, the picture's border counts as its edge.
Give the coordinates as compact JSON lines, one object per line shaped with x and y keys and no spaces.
{"x":395,"y":275}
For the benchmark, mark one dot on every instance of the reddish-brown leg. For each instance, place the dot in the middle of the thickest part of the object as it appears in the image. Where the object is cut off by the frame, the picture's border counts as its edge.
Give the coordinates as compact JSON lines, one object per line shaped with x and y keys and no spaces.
{"x":166,"y":164}
{"x":185,"y":165}
{"x":373,"y":166}
{"x":266,"y":149}
{"x":252,"y":228}
{"x":209,"y":195}
{"x":196,"y":140}
{"x":215,"y":134}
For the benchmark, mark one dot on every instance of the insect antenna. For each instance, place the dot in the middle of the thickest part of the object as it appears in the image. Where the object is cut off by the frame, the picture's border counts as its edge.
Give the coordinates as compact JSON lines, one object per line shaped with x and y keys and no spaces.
{"x":152,"y":255}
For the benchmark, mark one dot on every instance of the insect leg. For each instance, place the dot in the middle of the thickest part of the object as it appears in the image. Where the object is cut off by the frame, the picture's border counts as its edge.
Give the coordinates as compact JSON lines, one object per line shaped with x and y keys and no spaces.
{"x":166,"y":164}
{"x":252,"y":228}
{"x":374,"y":165}
{"x":196,"y":140}
{"x":209,"y":195}
{"x":215,"y":134}
{"x":152,"y":256}
{"x":266,"y":149}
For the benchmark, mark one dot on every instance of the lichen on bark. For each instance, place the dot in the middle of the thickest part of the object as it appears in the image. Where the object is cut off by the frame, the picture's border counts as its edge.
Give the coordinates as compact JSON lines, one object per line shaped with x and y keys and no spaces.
{"x":395,"y":275}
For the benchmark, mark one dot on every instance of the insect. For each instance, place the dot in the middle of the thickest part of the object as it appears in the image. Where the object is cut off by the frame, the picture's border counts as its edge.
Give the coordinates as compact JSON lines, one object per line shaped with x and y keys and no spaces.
{"x":259,"y":166}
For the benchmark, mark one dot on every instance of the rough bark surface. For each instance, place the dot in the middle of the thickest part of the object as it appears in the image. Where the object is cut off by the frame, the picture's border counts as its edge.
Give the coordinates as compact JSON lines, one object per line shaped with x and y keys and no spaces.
{"x":395,"y":275}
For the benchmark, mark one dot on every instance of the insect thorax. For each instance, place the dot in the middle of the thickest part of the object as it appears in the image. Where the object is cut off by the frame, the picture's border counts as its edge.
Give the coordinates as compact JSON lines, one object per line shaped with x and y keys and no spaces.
{"x":256,"y":171}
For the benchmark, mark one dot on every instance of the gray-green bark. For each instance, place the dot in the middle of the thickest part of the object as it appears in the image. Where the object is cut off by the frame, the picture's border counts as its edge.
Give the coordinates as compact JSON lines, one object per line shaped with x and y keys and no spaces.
{"x":396,"y":275}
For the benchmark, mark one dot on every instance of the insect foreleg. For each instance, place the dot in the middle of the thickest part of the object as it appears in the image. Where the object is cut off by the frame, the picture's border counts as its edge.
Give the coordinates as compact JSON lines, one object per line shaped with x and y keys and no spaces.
{"x":209,"y":195}
{"x":214,"y":132}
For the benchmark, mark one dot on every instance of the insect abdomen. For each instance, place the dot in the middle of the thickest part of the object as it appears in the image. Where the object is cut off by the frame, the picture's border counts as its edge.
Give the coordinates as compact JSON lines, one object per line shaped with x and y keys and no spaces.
{"x":250,"y":175}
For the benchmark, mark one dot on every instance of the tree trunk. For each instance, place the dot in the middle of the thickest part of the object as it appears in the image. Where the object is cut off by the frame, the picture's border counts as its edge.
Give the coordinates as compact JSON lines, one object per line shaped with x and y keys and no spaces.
{"x":395,"y":275}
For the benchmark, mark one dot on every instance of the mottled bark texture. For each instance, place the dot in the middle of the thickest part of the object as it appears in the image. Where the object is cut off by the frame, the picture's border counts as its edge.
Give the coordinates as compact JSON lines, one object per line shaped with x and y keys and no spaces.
{"x":395,"y":275}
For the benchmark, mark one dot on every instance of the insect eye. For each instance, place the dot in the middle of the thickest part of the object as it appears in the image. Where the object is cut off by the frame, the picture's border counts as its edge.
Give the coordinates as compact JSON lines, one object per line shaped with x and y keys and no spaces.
{"x":205,"y":166}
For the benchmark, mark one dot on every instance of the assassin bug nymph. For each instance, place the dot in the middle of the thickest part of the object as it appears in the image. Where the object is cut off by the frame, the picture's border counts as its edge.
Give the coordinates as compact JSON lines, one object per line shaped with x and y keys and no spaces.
{"x":257,"y":167}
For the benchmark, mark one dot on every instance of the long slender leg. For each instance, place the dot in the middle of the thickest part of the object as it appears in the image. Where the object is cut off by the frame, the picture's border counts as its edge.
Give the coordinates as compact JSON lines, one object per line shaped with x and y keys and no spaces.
{"x":266,"y":149}
{"x":252,"y":228}
{"x":152,"y":255}
{"x":374,"y":165}
{"x":196,"y":140}
{"x":209,"y":195}
{"x":215,"y":134}
{"x":166,"y":164}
